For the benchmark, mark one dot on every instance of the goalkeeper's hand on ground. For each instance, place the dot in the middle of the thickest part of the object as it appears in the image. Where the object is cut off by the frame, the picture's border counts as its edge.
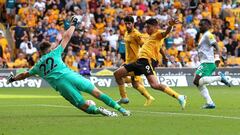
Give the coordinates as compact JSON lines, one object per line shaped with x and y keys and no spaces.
{"x":76,"y":20}
{"x":10,"y":78}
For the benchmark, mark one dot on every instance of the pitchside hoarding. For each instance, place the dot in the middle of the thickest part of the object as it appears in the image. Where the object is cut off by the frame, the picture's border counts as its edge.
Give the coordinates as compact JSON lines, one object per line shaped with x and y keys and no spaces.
{"x":181,"y":77}
{"x":32,"y":82}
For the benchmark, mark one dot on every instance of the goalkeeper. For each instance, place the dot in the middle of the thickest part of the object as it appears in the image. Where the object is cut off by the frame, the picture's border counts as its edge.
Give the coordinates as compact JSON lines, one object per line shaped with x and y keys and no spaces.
{"x":68,"y":83}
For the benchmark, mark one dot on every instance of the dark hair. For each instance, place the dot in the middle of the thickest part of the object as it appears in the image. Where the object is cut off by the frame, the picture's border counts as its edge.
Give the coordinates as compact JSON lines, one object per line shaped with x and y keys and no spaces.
{"x":43,"y":46}
{"x":129,"y":19}
{"x":151,"y":21}
{"x":206,"y":21}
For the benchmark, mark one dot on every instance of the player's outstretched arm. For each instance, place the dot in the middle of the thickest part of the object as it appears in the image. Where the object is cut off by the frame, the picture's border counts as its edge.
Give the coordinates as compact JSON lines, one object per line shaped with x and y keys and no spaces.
{"x":68,"y":34}
{"x":172,"y":22}
{"x":11,"y":78}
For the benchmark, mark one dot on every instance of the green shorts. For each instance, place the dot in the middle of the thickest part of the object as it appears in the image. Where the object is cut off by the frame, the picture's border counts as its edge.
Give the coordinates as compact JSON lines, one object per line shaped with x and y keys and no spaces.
{"x":206,"y":69}
{"x":70,"y":87}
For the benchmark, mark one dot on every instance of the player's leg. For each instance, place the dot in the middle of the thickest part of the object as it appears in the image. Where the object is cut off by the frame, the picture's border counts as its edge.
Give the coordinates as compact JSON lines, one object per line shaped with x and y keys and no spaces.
{"x":205,"y":70}
{"x":127,"y":79}
{"x":119,"y":74}
{"x":147,"y":69}
{"x":161,"y":87}
{"x":204,"y":92}
{"x":203,"y":77}
{"x":76,"y":99}
{"x":138,"y":85}
{"x":72,"y":95}
{"x":85,"y":85}
{"x":109,"y":101}
{"x":211,"y":79}
{"x":122,"y":91}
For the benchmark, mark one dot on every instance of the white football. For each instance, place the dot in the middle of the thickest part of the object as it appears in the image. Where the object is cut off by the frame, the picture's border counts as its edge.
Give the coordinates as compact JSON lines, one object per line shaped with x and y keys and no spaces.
{"x":90,"y":102}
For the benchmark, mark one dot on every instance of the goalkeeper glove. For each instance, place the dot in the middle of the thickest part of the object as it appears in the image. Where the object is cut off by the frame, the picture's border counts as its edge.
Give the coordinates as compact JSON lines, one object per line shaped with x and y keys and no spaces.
{"x":76,"y":20}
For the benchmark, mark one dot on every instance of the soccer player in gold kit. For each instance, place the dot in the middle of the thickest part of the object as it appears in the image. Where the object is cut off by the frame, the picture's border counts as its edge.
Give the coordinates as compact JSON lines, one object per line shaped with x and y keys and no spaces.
{"x":133,"y":41}
{"x":147,"y":56}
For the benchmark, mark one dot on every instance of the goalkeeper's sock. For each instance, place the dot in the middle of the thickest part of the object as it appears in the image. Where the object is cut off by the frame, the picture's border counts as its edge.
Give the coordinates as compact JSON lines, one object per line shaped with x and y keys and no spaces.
{"x":122,"y":90}
{"x":171,"y":92}
{"x":122,"y":110}
{"x":143,"y":91}
{"x":209,"y":79}
{"x":92,"y":109}
{"x":205,"y":94}
{"x":109,"y":101}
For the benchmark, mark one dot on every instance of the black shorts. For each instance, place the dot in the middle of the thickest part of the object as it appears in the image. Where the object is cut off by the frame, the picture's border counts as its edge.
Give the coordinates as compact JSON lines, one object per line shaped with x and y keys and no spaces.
{"x":141,"y":66}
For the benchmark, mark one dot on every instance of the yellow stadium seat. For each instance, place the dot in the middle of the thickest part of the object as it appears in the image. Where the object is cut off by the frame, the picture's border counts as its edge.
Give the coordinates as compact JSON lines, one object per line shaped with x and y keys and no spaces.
{"x":238,"y":60}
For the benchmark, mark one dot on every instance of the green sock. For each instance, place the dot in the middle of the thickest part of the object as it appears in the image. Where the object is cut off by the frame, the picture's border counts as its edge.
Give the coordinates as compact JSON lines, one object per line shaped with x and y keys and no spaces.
{"x":109,"y":101}
{"x":122,"y":110}
{"x":92,"y":109}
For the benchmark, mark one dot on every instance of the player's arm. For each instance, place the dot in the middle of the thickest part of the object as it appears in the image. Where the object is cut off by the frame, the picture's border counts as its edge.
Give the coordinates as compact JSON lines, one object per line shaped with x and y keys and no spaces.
{"x":141,"y":38}
{"x":68,"y":34}
{"x":164,"y":58}
{"x":215,"y":45}
{"x":11,"y":78}
{"x":213,"y":42}
{"x":138,"y":38}
{"x":217,"y":55}
{"x":172,"y":22}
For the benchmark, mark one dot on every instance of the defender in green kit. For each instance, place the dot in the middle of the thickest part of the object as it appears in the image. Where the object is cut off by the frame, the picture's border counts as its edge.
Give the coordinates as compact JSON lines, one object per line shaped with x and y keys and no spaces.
{"x":208,"y":52}
{"x":67,"y":82}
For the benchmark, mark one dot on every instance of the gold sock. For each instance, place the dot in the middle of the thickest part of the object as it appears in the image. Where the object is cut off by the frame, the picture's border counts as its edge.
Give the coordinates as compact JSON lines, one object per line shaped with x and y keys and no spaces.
{"x":143,"y":91}
{"x":171,"y":92}
{"x":122,"y":91}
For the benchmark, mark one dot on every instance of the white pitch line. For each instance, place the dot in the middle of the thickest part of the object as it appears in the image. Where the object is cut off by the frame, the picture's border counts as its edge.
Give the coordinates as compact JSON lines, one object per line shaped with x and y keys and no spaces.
{"x":138,"y":111}
{"x":190,"y":114}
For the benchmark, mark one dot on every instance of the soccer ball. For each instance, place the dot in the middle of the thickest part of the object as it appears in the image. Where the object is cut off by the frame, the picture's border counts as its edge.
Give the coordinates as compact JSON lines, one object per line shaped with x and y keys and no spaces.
{"x":90,"y":102}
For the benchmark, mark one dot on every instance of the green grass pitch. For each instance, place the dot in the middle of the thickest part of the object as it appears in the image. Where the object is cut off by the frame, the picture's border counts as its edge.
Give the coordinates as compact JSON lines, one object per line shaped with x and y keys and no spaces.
{"x":25,"y":111}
